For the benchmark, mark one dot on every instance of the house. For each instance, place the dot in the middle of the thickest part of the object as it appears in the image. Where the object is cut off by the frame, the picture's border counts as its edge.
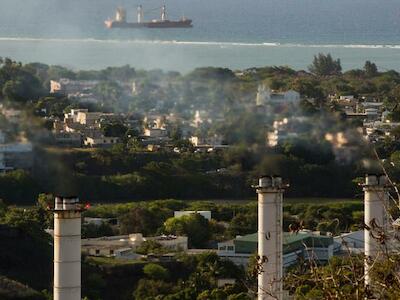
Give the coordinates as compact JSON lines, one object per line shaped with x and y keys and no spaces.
{"x":296,"y":246}
{"x":99,"y":140}
{"x":88,"y":118}
{"x":156,"y":133}
{"x":198,"y":141}
{"x":68,"y":86}
{"x":266,"y":96}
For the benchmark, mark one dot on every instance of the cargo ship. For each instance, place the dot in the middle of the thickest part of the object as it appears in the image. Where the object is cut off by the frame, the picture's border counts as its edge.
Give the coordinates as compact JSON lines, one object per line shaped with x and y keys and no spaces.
{"x":120,"y":20}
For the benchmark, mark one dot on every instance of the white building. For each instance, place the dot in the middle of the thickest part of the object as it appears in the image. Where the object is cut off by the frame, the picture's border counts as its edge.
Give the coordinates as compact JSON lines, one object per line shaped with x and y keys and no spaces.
{"x":266,"y":96}
{"x":111,"y":246}
{"x":99,"y":140}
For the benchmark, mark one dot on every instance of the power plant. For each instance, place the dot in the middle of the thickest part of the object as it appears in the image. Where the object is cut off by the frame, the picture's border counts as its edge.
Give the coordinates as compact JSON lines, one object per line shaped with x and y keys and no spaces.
{"x":67,"y":236}
{"x":376,"y":200}
{"x":270,"y":198}
{"x":67,"y":248}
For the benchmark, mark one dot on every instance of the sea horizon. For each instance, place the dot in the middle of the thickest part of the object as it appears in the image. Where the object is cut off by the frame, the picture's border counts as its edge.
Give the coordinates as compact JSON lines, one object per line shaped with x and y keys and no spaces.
{"x":226,"y":33}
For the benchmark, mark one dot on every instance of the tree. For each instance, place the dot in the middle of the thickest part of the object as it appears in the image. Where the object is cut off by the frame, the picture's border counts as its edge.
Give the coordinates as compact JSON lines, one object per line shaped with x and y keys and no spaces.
{"x":148,"y":289}
{"x":370,"y":69}
{"x":195,"y":226}
{"x":156,"y":272}
{"x":109,"y":91}
{"x":324,"y":65}
{"x":139,"y":220}
{"x":114,"y":129}
{"x":93,"y":231}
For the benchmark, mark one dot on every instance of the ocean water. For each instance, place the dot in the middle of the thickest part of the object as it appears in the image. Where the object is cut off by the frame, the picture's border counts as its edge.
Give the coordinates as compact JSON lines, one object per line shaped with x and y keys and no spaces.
{"x":229,"y":33}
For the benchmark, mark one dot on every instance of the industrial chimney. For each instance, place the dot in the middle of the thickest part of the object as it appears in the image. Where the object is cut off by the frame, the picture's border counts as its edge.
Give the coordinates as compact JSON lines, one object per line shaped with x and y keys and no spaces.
{"x":376,"y":199}
{"x":270,"y":198}
{"x":67,"y":249}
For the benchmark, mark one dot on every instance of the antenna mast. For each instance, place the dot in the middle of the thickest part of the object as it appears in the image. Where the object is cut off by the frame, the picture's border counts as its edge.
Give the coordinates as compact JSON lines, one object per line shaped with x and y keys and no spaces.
{"x":163,"y":12}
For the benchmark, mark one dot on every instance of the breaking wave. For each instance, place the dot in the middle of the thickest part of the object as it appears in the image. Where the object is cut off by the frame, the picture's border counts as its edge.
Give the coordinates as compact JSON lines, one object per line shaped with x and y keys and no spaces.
{"x":199,"y":43}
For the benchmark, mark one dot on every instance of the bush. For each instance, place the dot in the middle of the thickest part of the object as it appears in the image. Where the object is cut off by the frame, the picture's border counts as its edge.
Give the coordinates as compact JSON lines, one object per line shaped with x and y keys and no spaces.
{"x":156,"y":272}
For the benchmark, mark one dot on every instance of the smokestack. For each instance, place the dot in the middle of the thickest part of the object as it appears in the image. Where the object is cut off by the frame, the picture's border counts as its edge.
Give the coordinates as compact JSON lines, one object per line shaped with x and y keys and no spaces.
{"x":376,"y":199}
{"x":67,"y":249}
{"x":270,"y":198}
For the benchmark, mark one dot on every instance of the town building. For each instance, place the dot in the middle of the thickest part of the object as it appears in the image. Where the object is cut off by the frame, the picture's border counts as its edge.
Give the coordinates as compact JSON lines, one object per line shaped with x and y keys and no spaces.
{"x":296,"y":246}
{"x":266,"y":96}
{"x":109,"y":246}
{"x":285,"y":129}
{"x":97,"y":139}
{"x":68,"y":86}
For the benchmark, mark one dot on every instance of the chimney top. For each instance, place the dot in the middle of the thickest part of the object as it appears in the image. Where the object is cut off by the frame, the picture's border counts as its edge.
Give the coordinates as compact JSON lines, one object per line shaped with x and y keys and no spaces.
{"x":274,"y":181}
{"x":70,"y":203}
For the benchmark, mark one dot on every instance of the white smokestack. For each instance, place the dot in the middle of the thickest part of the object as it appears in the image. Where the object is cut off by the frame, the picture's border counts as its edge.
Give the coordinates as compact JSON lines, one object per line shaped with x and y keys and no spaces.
{"x":67,"y":249}
{"x":376,"y":199}
{"x":270,"y":198}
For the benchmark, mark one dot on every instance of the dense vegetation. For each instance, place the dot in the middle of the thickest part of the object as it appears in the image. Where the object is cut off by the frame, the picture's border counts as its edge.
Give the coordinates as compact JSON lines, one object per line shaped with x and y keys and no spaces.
{"x":186,"y":277}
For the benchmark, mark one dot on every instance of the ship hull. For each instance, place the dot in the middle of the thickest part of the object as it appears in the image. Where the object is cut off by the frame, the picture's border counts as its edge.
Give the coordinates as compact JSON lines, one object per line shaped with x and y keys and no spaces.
{"x":156,"y":24}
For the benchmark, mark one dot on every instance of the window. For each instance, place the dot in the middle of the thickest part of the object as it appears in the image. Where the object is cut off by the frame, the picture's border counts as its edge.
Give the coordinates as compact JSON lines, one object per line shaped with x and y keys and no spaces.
{"x":111,"y":252}
{"x":230,"y":248}
{"x":97,"y":251}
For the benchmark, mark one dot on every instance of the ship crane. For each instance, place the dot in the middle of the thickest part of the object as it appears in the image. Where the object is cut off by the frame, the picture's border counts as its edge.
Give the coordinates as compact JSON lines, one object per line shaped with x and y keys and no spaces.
{"x":140,"y":14}
{"x":120,"y":20}
{"x":163,"y":13}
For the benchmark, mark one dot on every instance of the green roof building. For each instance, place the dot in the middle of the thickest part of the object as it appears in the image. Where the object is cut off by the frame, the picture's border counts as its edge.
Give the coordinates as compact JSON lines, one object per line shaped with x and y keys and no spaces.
{"x":304,"y":244}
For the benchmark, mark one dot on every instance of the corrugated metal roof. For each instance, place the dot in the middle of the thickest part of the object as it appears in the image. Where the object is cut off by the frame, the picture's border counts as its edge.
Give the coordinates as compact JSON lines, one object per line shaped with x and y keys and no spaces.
{"x":291,"y":242}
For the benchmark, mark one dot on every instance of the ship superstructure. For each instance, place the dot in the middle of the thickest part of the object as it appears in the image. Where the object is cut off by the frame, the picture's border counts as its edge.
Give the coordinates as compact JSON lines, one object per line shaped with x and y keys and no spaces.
{"x":120,"y":20}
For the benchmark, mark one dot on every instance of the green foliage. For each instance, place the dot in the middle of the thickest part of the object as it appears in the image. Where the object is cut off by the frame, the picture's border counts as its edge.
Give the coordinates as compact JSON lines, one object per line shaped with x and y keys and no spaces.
{"x":114,"y":129}
{"x":17,"y":84}
{"x":150,"y":246}
{"x":93,"y":231}
{"x":370,"y":69}
{"x":150,"y":289}
{"x":194,"y":226}
{"x":324,"y":65}
{"x":18,"y":187}
{"x":139,"y":220}
{"x":22,"y":229}
{"x":156,"y":272}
